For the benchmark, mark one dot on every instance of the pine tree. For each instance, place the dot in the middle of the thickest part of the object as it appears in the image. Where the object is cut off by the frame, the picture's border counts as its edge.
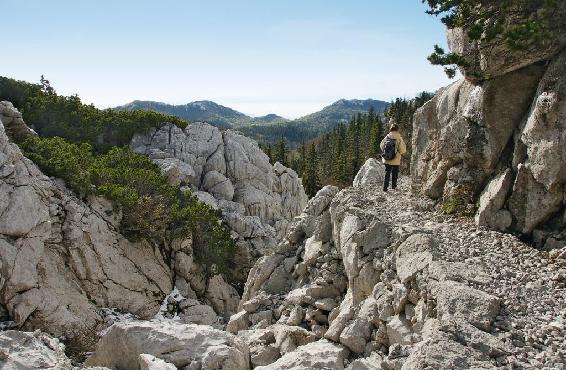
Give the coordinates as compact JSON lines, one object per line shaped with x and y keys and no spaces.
{"x":281,"y":152}
{"x":311,"y":179}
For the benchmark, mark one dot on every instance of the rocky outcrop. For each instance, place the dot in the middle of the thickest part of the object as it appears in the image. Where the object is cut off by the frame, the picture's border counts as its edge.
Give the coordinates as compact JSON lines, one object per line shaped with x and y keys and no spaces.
{"x":32,"y":350}
{"x":359,"y":284}
{"x":182,"y":345}
{"x":229,"y":172}
{"x":499,"y":141}
{"x":491,"y":58}
{"x":372,"y":172}
{"x":62,"y":259}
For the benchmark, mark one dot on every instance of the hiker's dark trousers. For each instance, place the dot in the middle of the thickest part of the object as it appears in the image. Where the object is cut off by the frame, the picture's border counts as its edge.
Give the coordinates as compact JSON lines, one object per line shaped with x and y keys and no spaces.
{"x":391,"y":174}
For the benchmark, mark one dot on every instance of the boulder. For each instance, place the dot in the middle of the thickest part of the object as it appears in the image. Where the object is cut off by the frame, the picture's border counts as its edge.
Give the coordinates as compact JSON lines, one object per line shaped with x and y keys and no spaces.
{"x":457,"y":300}
{"x":321,"y":354}
{"x":194,"y":312}
{"x":149,"y":362}
{"x":414,"y":255}
{"x":371,"y":173}
{"x":223,"y":297}
{"x":492,"y":200}
{"x":238,"y":321}
{"x":32,"y":350}
{"x":373,"y":362}
{"x":356,"y":334}
{"x":178,"y":344}
{"x":288,"y":338}
{"x":399,"y":330}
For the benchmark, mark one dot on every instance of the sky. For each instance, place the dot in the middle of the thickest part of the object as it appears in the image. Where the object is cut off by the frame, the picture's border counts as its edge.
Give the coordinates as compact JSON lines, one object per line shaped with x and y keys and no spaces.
{"x":289,"y":57}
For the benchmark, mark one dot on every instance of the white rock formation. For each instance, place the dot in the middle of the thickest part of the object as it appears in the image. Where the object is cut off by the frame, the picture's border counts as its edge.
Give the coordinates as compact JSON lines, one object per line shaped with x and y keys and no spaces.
{"x":499,"y":132}
{"x":149,"y":362}
{"x":371,"y":173}
{"x":61,"y":259}
{"x":229,"y":172}
{"x":316,"y":355}
{"x":182,"y":345}
{"x":32,"y":350}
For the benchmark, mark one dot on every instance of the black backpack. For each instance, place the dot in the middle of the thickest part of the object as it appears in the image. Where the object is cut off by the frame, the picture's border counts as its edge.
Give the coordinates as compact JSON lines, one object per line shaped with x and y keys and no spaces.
{"x":389,"y":149}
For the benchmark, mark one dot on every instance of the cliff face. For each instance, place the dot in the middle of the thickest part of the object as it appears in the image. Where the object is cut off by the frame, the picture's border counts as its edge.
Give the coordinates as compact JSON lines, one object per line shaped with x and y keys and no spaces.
{"x":62,"y":259}
{"x":229,"y":172}
{"x":498,"y":143}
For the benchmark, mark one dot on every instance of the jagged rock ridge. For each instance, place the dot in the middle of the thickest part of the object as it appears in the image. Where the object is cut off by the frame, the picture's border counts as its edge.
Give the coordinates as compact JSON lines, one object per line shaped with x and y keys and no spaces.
{"x":229,"y":171}
{"x":365,"y":280}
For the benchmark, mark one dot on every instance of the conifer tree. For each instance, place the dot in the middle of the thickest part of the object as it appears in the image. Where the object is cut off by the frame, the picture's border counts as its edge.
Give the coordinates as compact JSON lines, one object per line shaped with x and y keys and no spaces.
{"x":281,"y":152}
{"x":310,"y":177}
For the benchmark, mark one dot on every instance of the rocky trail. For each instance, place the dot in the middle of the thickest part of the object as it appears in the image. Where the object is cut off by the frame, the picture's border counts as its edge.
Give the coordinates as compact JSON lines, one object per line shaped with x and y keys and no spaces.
{"x":531,"y":284}
{"x":423,"y":290}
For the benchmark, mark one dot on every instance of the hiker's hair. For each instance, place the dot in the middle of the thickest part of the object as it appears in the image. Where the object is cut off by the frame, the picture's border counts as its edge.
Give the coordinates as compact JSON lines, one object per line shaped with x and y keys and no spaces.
{"x":394,"y":127}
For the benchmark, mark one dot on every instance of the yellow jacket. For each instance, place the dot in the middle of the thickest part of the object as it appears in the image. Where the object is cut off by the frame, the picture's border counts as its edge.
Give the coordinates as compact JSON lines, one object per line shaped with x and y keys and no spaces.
{"x":400,"y":147}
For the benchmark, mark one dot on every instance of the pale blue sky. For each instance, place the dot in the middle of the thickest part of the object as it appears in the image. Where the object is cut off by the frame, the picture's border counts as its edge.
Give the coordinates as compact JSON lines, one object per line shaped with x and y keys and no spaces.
{"x":289,"y":57}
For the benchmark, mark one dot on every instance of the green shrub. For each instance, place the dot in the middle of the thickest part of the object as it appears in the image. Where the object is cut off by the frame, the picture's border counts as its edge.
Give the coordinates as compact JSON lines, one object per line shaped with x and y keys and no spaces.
{"x":62,"y":159}
{"x":152,"y":209}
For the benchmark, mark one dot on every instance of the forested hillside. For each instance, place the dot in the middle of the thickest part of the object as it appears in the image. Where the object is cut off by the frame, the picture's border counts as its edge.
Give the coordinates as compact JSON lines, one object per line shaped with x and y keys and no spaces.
{"x":335,"y":157}
{"x":268,"y":128}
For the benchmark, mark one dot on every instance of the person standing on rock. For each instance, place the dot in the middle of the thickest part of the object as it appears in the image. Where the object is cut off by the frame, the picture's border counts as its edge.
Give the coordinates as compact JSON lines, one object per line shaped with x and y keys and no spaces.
{"x":393,"y":147}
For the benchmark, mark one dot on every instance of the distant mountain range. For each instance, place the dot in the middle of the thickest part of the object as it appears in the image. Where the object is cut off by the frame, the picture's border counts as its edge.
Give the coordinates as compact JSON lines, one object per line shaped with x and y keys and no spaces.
{"x":266,"y":128}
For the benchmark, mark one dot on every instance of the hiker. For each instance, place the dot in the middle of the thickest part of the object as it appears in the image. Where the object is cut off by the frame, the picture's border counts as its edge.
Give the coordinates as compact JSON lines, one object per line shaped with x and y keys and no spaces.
{"x":393,"y":147}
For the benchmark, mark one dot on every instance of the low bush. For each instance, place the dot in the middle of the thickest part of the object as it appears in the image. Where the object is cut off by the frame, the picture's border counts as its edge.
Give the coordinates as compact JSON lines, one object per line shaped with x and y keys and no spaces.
{"x":152,"y":208}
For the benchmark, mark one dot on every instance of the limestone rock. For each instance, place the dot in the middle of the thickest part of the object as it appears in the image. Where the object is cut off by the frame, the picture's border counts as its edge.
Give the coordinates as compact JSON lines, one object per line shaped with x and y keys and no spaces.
{"x":317,"y":355}
{"x":13,"y":121}
{"x":373,"y":362}
{"x":440,"y":352}
{"x":230,"y":173}
{"x":61,"y":259}
{"x":414,"y":255}
{"x":223,"y":297}
{"x":149,"y":362}
{"x":371,"y":173}
{"x":177,"y":171}
{"x":530,"y":203}
{"x":178,"y":344}
{"x":31,"y":350}
{"x":488,"y":59}
{"x":218,"y":185}
{"x":492,"y":200}
{"x":238,"y":321}
{"x":355,"y":335}
{"x":460,"y":301}
{"x":500,"y":137}
{"x":399,"y":330}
